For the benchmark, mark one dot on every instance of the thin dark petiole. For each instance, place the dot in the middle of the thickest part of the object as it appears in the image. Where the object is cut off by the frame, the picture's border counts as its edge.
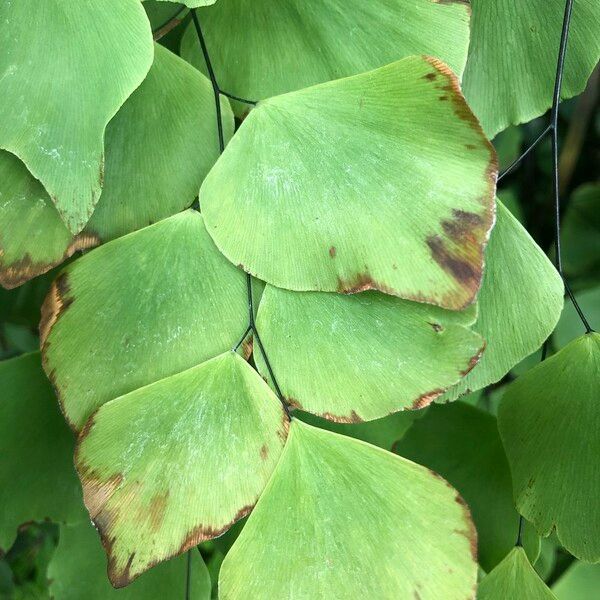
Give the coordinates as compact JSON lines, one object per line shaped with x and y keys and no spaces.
{"x":233,"y":97}
{"x":248,"y":330}
{"x":519,"y":541}
{"x":518,"y":161}
{"x":213,"y":79}
{"x":271,"y":374}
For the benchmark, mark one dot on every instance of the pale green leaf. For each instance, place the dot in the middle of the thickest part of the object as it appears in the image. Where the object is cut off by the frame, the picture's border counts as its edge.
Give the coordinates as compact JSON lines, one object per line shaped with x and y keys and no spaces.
{"x":78,"y":571}
{"x":332,"y":188}
{"x":353,"y":358}
{"x":260,"y":48}
{"x":36,"y":468}
{"x":509,"y":78}
{"x":462,"y":444}
{"x":514,"y":579}
{"x":65,"y":69}
{"x":549,"y":420}
{"x":178,"y":461}
{"x":343,"y":519}
{"x":520,"y":303}
{"x":140,"y":308}
{"x":159,"y":147}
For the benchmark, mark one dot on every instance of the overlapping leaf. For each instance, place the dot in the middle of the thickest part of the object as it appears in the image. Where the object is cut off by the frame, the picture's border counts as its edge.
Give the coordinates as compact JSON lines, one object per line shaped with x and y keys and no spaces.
{"x":178,"y":461}
{"x":520,"y":303}
{"x":343,"y":519}
{"x":515,"y":578}
{"x":260,"y":49}
{"x":577,"y":582}
{"x":510,"y":72}
{"x":462,"y":444}
{"x":550,"y":425}
{"x":65,"y":69}
{"x":78,"y":570}
{"x":36,"y":470}
{"x":159,"y":147}
{"x":353,"y":358}
{"x":380,"y":181}
{"x":138,"y":309}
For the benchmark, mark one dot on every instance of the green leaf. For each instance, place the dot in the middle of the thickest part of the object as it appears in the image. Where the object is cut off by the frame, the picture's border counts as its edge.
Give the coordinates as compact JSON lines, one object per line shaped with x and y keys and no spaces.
{"x":515,"y":578}
{"x":509,"y":78}
{"x":260,"y":49}
{"x":78,"y":570}
{"x":519,"y":304}
{"x":178,"y":461}
{"x":169,"y":120}
{"x":138,"y":309}
{"x":570,"y":326}
{"x":353,"y":358}
{"x":343,"y":519}
{"x":549,"y":420}
{"x":462,"y":444}
{"x":578,"y":582}
{"x":332,"y":188}
{"x":65,"y":70}
{"x":37,"y":474}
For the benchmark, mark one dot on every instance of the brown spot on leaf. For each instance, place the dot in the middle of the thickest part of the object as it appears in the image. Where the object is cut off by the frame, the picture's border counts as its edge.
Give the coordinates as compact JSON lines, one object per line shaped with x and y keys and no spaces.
{"x":353,"y":417}
{"x":24,"y":269}
{"x":426,"y":399}
{"x":332,"y":251}
{"x":158,"y":506}
{"x":430,"y":76}
{"x":264,"y":452}
{"x":201,"y":533}
{"x":452,"y":262}
{"x":436,"y":327}
{"x":470,"y":532}
{"x":470,"y":147}
{"x":474,"y":360}
{"x":56,"y":302}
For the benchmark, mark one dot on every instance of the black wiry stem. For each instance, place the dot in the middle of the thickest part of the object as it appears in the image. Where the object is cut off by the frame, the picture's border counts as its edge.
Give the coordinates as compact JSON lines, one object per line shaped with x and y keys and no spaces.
{"x":213,"y":79}
{"x":251,"y":323}
{"x":554,"y":137}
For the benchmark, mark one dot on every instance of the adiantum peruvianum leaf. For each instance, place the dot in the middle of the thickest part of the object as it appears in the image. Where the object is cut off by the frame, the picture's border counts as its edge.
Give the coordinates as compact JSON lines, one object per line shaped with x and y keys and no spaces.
{"x":343,"y":519}
{"x":549,"y":421}
{"x":510,"y":72}
{"x":65,"y":69}
{"x":514,"y":578}
{"x":178,"y":461}
{"x":577,"y":581}
{"x":520,"y":302}
{"x":353,"y":358}
{"x":78,"y":570}
{"x":462,"y":444}
{"x":140,"y":308}
{"x":260,"y":48}
{"x":159,"y":147}
{"x":191,"y":3}
{"x":38,"y":478}
{"x":382,"y":180}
